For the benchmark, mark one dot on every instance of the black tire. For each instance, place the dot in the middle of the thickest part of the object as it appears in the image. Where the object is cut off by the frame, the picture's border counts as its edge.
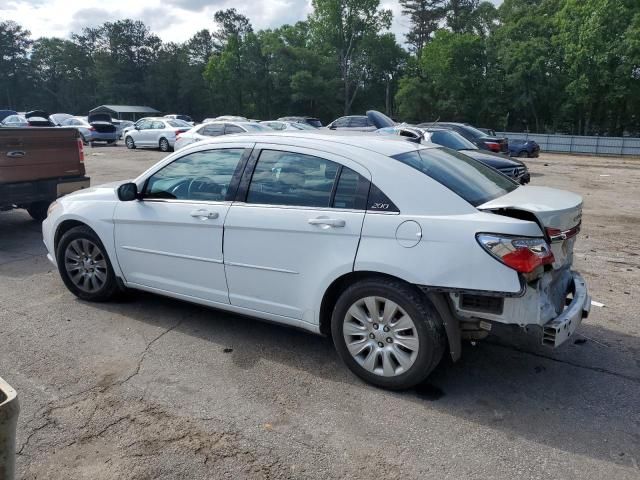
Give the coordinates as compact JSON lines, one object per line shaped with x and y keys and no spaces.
{"x":111,"y":142}
{"x":523,"y":154}
{"x":110,"y":287}
{"x":84,"y":140}
{"x":38,"y":210}
{"x":429,"y":330}
{"x":131,"y":145}
{"x":164,"y":145}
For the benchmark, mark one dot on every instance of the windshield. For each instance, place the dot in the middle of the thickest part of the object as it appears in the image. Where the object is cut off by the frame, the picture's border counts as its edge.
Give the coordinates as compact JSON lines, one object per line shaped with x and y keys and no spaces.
{"x":452,"y":140}
{"x":474,"y":131}
{"x":470,"y":179}
{"x":178,"y":123}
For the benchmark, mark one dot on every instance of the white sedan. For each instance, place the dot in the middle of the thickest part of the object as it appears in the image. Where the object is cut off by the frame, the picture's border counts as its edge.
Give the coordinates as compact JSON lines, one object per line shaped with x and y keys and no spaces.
{"x":216,"y":129}
{"x":154,"y":132}
{"x":398,"y":251}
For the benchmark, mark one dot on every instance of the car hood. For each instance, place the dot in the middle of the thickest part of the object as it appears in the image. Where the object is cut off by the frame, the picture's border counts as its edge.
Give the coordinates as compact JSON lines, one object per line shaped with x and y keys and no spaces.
{"x":494,"y":160}
{"x":557,"y":209}
{"x":104,"y":192}
{"x":379,"y":119}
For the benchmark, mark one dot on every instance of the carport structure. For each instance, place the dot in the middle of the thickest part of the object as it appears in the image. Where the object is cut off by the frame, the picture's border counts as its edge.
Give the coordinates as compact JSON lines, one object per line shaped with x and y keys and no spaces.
{"x":126,"y":112}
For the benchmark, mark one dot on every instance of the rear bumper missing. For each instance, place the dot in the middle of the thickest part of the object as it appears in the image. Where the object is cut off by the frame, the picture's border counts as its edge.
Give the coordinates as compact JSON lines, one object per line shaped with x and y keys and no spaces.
{"x":558,"y":330}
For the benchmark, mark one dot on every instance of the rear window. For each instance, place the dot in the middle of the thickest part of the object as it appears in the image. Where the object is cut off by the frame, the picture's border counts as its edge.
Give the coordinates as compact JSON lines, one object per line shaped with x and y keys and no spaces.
{"x":178,"y":123}
{"x":470,"y":179}
{"x":256,"y":127}
{"x":314,"y":122}
{"x":452,"y":140}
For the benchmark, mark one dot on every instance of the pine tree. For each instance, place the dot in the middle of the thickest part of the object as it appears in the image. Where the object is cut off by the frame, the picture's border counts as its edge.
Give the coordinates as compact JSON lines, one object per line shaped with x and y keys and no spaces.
{"x":424,"y":16}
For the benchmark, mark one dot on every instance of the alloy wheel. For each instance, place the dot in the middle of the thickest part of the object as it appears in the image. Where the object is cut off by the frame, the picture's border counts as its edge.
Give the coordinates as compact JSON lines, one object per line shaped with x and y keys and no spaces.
{"x":86,"y":265}
{"x":380,"y":336}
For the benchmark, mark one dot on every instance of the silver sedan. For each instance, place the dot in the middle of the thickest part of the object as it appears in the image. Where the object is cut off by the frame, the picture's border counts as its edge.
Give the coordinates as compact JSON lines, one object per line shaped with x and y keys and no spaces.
{"x":215,"y":129}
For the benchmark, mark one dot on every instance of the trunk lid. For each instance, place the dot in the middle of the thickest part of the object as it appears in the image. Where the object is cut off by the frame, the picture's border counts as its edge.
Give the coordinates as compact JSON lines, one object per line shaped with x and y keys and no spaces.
{"x":557,"y":212}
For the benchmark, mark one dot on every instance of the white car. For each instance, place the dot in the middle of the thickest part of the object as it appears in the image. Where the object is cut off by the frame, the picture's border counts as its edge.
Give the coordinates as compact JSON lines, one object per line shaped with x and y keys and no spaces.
{"x":397,"y":250}
{"x":215,"y":129}
{"x":154,"y":132}
{"x":282,"y":125}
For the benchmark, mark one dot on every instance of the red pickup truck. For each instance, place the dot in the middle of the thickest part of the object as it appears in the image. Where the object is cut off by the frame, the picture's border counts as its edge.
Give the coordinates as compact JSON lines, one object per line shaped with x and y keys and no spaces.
{"x":38,"y":165}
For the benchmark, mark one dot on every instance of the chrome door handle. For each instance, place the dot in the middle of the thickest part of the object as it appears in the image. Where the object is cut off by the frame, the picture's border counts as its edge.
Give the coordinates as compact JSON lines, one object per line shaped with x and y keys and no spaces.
{"x":204,"y":214}
{"x":328,"y":222}
{"x":16,"y":154}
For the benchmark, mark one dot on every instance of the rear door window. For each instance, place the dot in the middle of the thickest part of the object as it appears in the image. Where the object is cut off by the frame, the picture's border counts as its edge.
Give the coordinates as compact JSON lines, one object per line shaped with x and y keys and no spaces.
{"x":295,"y":179}
{"x":158,"y":126}
{"x":232,"y":129}
{"x":359,"y":122}
{"x":351,"y":191}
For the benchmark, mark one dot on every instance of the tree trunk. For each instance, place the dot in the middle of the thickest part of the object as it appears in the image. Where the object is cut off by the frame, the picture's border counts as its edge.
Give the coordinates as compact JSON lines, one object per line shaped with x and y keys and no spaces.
{"x":347,"y":105}
{"x":387,"y":99}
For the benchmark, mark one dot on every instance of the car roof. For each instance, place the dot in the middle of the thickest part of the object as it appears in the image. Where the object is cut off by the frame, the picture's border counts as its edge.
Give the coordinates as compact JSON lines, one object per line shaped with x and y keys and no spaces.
{"x":384,"y":145}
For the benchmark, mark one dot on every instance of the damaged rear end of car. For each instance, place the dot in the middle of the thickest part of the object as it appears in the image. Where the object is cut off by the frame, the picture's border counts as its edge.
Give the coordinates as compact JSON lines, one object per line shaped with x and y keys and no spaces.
{"x":554,"y":299}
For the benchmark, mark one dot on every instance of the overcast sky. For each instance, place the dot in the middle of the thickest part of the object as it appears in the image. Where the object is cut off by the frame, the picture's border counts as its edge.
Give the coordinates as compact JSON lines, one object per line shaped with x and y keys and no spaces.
{"x":172,"y":20}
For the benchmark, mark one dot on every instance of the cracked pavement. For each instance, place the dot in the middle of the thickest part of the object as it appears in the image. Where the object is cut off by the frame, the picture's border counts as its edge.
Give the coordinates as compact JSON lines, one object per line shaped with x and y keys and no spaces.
{"x":149,"y":387}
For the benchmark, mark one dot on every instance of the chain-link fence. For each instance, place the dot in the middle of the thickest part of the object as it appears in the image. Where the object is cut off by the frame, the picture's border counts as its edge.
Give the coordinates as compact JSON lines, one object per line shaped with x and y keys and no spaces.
{"x":579,"y":144}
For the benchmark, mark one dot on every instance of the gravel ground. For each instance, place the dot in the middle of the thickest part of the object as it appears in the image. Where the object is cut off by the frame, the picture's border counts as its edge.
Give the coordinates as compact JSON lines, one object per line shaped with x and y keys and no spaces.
{"x":156,"y":388}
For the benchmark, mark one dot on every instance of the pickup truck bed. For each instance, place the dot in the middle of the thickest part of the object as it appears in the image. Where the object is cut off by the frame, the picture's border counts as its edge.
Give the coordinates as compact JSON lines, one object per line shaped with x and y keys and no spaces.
{"x":38,"y":165}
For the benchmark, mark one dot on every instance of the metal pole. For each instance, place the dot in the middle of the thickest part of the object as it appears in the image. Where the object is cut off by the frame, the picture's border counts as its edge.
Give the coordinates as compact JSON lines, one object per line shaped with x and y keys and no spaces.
{"x":9,"y":410}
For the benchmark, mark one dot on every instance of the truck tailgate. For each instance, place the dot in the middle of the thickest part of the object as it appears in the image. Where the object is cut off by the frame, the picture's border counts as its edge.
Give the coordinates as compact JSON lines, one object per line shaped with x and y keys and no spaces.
{"x":28,"y":154}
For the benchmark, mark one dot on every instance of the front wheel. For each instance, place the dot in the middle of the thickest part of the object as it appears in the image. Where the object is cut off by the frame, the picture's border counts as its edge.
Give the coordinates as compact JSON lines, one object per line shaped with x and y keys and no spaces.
{"x":523,"y":154}
{"x":388,"y":333}
{"x":130,"y":143}
{"x":84,"y":265}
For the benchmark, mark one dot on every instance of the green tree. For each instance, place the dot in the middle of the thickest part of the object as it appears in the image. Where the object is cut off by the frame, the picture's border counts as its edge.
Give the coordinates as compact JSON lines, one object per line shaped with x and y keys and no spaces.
{"x":424,"y":16}
{"x":342,"y":26}
{"x":15,"y":44}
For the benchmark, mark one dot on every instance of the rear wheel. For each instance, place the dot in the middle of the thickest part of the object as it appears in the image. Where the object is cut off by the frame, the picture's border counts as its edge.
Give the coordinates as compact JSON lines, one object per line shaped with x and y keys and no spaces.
{"x":388,"y":333}
{"x":38,"y":210}
{"x":164,"y":145}
{"x":523,"y":154}
{"x":130,"y":143}
{"x":84,"y":265}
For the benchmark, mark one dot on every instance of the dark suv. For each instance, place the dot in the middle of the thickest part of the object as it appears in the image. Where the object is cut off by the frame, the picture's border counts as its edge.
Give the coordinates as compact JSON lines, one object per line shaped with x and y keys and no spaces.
{"x":475,"y":136}
{"x":313,"y":121}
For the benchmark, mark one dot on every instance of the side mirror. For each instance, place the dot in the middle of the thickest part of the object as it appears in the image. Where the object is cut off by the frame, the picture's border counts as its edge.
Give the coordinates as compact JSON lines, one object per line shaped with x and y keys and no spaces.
{"x":332,"y":127}
{"x":136,"y":127}
{"x":128,"y":192}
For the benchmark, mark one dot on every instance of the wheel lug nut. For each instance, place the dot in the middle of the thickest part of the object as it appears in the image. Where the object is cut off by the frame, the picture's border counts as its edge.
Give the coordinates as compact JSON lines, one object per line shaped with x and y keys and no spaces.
{"x":371,"y":335}
{"x":386,"y":329}
{"x":375,"y":326}
{"x":389,"y":340}
{"x":380,"y":344}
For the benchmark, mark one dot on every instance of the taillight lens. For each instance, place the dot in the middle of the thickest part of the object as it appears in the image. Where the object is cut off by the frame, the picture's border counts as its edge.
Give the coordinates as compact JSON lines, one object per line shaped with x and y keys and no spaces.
{"x":520,"y":253}
{"x":81,"y":150}
{"x":493,"y":146}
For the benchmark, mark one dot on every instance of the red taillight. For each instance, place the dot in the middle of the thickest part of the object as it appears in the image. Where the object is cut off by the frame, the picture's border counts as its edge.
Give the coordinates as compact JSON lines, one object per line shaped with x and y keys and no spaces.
{"x":81,"y":150}
{"x":493,"y":146}
{"x":520,"y":253}
{"x":557,"y":235}
{"x":92,"y":129}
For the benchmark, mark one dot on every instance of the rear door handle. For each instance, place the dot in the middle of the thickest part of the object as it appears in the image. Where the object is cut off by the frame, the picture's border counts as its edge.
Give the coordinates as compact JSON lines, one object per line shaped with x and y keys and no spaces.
{"x":204,"y":214}
{"x":16,"y":154}
{"x":327,"y":222}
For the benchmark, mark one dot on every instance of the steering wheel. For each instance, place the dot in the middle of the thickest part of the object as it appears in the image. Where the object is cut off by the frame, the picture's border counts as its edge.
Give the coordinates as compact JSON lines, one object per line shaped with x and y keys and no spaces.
{"x":197,"y":184}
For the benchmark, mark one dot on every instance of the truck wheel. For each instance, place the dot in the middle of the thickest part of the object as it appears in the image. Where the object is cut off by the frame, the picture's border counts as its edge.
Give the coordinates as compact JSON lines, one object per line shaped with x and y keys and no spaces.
{"x":84,"y":265}
{"x":388,"y":333}
{"x":164,"y":145}
{"x":130,"y":143}
{"x":38,"y":210}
